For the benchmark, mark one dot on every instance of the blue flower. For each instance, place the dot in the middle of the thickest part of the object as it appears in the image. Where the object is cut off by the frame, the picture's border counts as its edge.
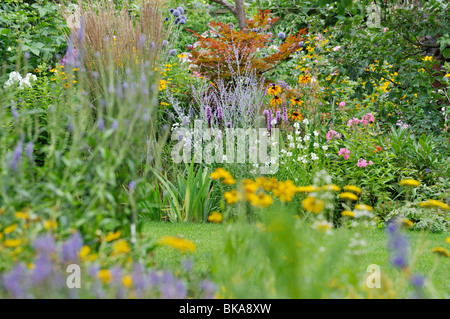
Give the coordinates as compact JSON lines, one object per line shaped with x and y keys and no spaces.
{"x":176,"y":13}
{"x":282,"y":35}
{"x":166,"y":19}
{"x":165,"y":43}
{"x":180,"y":9}
{"x":172,"y":52}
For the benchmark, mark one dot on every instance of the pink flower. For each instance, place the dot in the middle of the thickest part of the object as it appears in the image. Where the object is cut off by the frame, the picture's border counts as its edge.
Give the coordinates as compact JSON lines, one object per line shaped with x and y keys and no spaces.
{"x":369,"y":117}
{"x":353,"y":121}
{"x":362,"y":163}
{"x":344,"y":152}
{"x":337,"y":48}
{"x":342,"y":104}
{"x":385,"y":29}
{"x":332,"y":134}
{"x":370,"y":163}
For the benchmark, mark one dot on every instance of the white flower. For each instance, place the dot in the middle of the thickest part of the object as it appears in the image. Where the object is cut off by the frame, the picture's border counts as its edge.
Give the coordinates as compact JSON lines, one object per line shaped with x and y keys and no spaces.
{"x":316,"y":133}
{"x":290,"y":137}
{"x":307,"y":138}
{"x":305,"y":121}
{"x":316,"y":145}
{"x":9,"y":49}
{"x":289,"y":154}
{"x":314,"y":157}
{"x":296,"y":125}
{"x":324,"y":147}
{"x":291,"y":145}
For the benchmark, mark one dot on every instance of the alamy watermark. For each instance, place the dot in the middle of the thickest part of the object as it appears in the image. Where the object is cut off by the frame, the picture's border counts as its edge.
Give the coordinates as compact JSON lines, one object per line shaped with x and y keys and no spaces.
{"x":242,"y":146}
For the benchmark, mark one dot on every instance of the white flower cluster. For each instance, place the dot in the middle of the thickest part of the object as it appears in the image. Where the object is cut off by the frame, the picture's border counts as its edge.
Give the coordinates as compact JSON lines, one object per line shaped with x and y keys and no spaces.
{"x":16,"y":78}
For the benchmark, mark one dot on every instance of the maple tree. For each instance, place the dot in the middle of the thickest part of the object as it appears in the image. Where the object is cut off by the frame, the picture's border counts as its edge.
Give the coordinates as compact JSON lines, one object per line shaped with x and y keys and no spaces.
{"x":229,"y":50}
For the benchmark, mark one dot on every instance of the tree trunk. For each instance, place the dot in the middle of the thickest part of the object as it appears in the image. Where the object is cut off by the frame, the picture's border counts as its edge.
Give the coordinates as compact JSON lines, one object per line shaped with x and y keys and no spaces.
{"x":238,"y":10}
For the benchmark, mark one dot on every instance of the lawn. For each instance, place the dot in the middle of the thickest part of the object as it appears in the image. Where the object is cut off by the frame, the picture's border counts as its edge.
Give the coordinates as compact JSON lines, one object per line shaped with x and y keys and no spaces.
{"x":209,"y":241}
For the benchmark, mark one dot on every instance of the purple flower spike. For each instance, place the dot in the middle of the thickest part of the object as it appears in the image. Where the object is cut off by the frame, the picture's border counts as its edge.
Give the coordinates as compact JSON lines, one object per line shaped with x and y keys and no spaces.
{"x":71,"y":248}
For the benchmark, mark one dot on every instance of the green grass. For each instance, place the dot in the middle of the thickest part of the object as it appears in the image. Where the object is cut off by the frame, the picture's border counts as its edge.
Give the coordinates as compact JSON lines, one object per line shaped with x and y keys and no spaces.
{"x":209,"y":241}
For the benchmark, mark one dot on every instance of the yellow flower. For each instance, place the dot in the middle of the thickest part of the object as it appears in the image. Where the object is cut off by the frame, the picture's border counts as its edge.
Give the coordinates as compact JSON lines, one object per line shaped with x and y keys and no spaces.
{"x":333,"y":188}
{"x":266,"y":184}
{"x":215,"y":217}
{"x":221,"y":173}
{"x":274,"y":90}
{"x":121,"y":247}
{"x":432,"y":203}
{"x":104,"y":275}
{"x":93,"y":257}
{"x":260,"y":200}
{"x":84,"y":252}
{"x":307,"y":189}
{"x":232,"y":196}
{"x":127,"y":281}
{"x":296,"y":116}
{"x":347,"y":195}
{"x":10,"y":229}
{"x":249,"y":186}
{"x":447,"y":240}
{"x":296,"y":101}
{"x":405,"y":222}
{"x":447,"y":75}
{"x":21,"y":215}
{"x":441,"y":251}
{"x":353,"y":189}
{"x":303,"y":79}
{"x":112,"y":236}
{"x":347,"y":213}
{"x":49,"y":224}
{"x":285,"y":191}
{"x":53,"y":70}
{"x":12,"y":242}
{"x":313,"y":205}
{"x":428,"y":58}
{"x":276,"y":100}
{"x":180,"y":244}
{"x":162,"y":85}
{"x":363,"y":207}
{"x":409,"y":182}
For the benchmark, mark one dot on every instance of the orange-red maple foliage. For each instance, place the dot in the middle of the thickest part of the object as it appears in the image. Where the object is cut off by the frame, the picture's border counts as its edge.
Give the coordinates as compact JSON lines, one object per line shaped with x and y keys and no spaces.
{"x":238,"y":49}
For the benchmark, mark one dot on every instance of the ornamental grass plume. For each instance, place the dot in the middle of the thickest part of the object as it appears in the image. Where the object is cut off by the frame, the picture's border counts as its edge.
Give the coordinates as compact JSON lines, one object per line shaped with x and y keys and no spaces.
{"x":110,"y":35}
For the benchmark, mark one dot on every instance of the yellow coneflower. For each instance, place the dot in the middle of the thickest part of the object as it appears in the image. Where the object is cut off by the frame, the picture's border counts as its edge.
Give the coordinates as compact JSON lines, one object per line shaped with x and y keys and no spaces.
{"x":296,"y":101}
{"x":273,"y":89}
{"x":296,"y":116}
{"x":276,"y":100}
{"x":304,"y":79}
